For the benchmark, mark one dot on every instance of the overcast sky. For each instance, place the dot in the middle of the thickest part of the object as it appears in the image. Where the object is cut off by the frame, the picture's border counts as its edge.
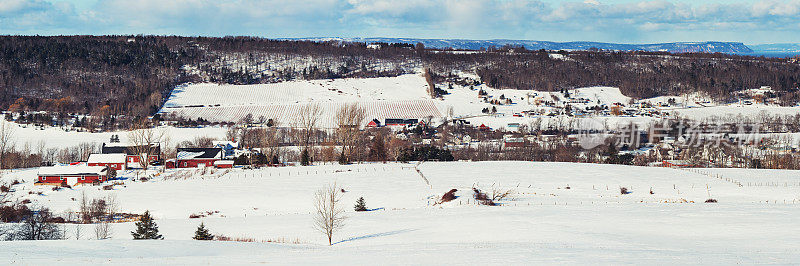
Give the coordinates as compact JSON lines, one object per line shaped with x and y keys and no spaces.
{"x":751,"y":22}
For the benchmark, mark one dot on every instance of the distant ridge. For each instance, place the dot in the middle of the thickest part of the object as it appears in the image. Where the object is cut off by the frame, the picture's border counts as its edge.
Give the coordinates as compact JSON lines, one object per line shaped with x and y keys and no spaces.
{"x":675,"y":47}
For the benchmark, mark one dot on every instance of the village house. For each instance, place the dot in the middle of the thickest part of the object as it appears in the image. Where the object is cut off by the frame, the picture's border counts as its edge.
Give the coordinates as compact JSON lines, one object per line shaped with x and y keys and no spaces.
{"x":116,"y":161}
{"x":374,"y":123}
{"x":229,"y":148}
{"x":198,"y":157}
{"x":132,"y":159}
{"x":72,"y":175}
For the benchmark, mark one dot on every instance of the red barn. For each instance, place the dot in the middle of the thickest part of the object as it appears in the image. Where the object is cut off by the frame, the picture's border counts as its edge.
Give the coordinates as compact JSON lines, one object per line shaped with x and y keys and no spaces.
{"x":115,"y":160}
{"x":72,"y":175}
{"x":132,"y":158}
{"x":223,"y":164}
{"x":374,"y":123}
{"x":197,"y":157}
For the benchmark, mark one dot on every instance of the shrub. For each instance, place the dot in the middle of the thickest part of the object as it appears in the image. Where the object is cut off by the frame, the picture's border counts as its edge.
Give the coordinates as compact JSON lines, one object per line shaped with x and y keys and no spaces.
{"x":13,"y":214}
{"x":482,"y":198}
{"x":711,"y":201}
{"x":425,"y":153}
{"x":4,"y":189}
{"x":449,"y":196}
{"x":361,"y":205}
{"x":108,"y":187}
{"x":235,"y":239}
{"x":623,"y":191}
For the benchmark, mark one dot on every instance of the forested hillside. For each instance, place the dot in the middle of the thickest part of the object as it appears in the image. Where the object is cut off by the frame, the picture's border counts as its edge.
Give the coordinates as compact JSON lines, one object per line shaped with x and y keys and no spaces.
{"x":131,"y":75}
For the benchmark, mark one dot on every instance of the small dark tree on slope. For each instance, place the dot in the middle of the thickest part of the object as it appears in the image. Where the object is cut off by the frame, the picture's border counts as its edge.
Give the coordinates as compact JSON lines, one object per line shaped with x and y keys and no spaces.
{"x":361,"y":205}
{"x":146,"y":228}
{"x":304,"y":158}
{"x":202,"y":233}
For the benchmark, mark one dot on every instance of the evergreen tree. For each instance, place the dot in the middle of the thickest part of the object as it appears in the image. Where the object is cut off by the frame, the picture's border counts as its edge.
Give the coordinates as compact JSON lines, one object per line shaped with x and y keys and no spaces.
{"x":202,"y":233}
{"x":146,"y":228}
{"x":304,"y":158}
{"x":361,"y":205}
{"x":342,"y":159}
{"x":275,"y":160}
{"x":613,"y":155}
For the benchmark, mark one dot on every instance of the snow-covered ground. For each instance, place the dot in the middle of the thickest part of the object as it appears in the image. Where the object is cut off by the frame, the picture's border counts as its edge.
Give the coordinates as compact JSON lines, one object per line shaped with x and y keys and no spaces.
{"x":404,"y":97}
{"x":559,"y":213}
{"x":407,"y":96}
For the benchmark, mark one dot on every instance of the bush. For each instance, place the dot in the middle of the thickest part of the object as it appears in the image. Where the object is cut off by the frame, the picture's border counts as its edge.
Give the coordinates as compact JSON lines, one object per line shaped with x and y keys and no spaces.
{"x":361,"y":205}
{"x":4,"y":189}
{"x":449,"y":196}
{"x":623,"y":191}
{"x":236,"y":239}
{"x":39,"y":225}
{"x":426,"y":153}
{"x":481,"y":197}
{"x":13,"y":214}
{"x":711,"y":201}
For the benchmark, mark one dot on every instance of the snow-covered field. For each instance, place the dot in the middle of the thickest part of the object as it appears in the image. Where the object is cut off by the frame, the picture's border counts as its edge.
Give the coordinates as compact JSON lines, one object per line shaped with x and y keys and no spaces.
{"x":542,"y":223}
{"x":53,"y":137}
{"x":406,"y":96}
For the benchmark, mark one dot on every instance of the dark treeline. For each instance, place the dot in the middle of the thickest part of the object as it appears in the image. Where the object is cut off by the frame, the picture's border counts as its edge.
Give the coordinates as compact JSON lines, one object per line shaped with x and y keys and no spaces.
{"x":637,"y":74}
{"x":132,"y":75}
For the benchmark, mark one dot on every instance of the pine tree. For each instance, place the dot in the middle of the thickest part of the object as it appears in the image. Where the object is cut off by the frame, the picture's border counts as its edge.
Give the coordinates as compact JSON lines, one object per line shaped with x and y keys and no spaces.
{"x":304,"y":158}
{"x":342,"y":159}
{"x":275,"y":160}
{"x":202,"y":233}
{"x":361,"y":205}
{"x":146,"y":228}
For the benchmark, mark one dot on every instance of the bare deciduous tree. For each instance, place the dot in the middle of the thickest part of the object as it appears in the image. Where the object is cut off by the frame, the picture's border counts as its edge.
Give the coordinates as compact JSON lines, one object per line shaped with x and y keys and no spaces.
{"x":102,"y":230}
{"x":6,"y":140}
{"x":349,"y":119}
{"x":38,"y":225}
{"x":145,"y":140}
{"x":329,"y":217}
{"x":270,"y":142}
{"x":307,"y":122}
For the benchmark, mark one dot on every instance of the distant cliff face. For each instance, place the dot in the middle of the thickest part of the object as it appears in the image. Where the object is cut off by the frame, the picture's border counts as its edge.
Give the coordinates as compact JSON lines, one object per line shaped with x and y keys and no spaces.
{"x":676,"y":47}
